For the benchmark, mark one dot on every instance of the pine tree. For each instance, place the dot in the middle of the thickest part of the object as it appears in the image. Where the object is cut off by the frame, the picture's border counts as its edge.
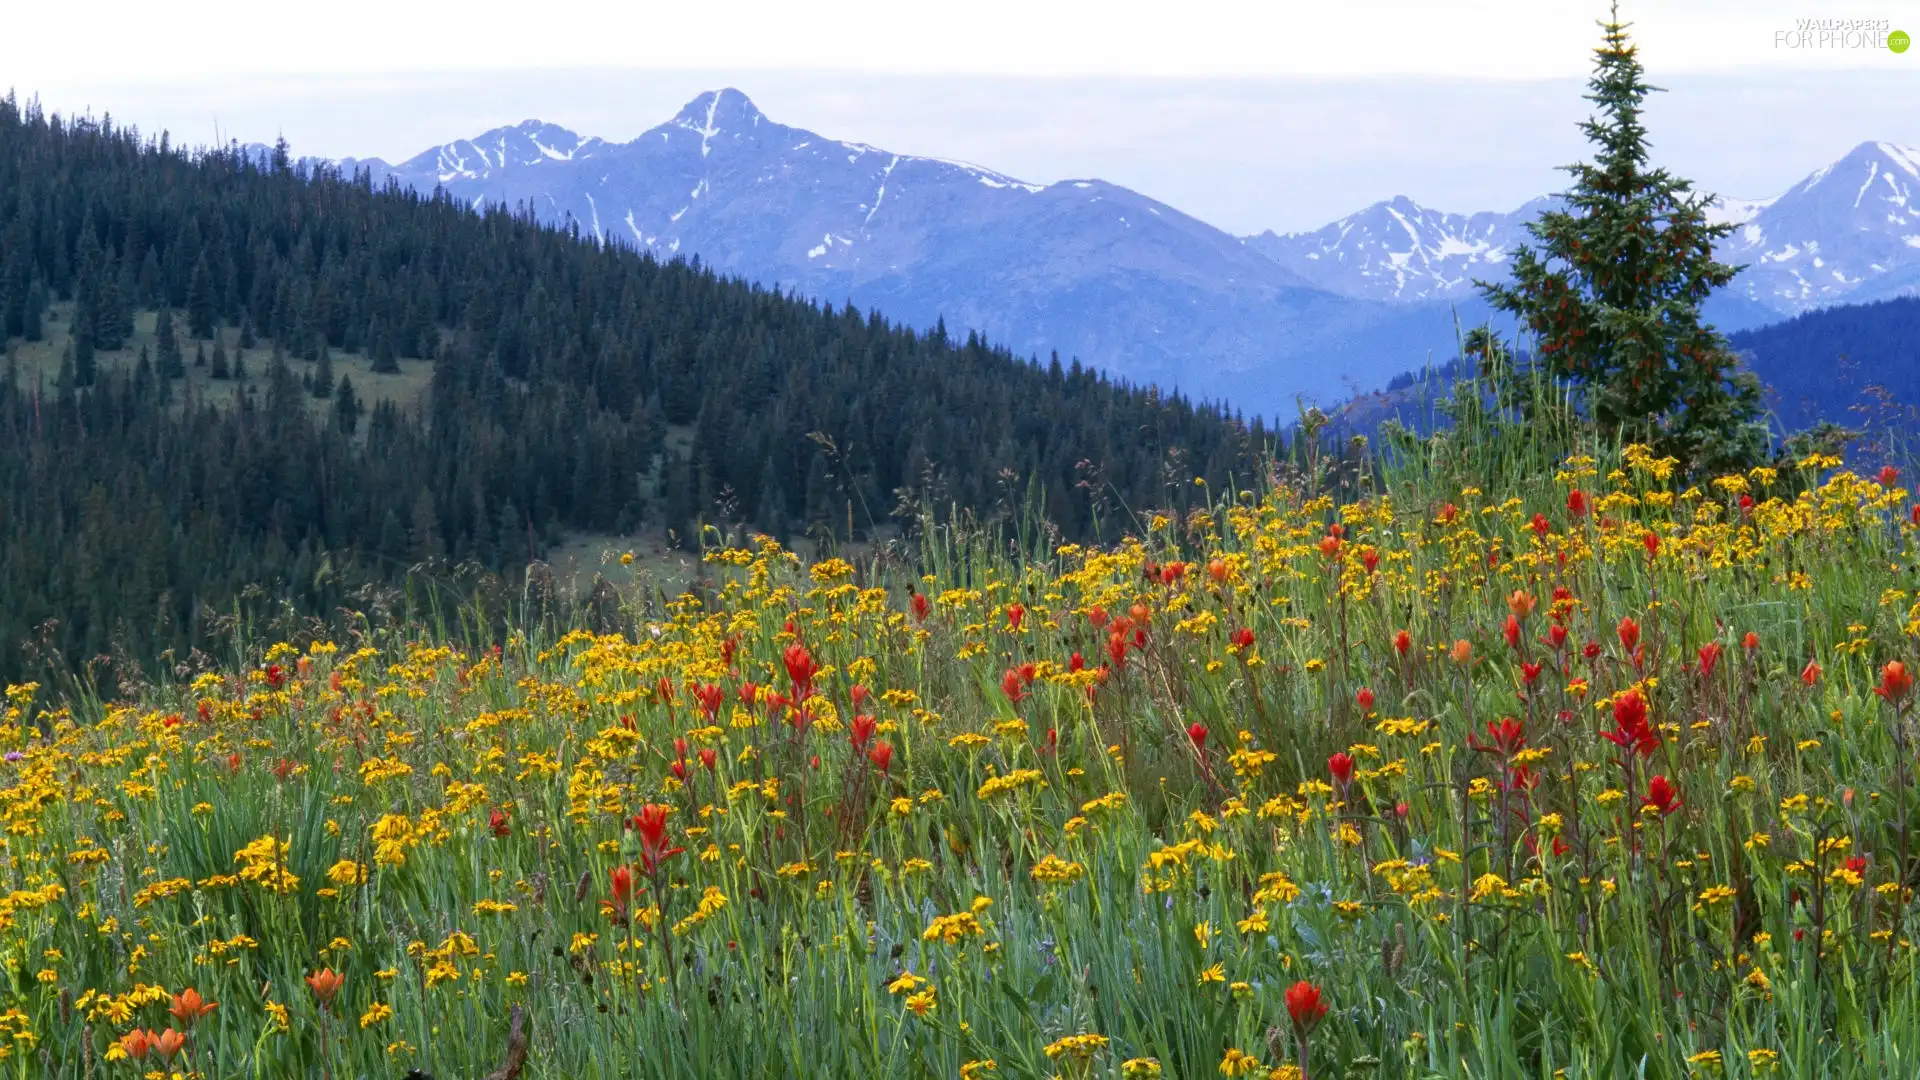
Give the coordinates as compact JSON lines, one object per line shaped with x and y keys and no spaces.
{"x":82,"y":346}
{"x":323,"y":373}
{"x":346,"y":406}
{"x":167,"y":346}
{"x":1613,"y":294}
{"x":220,"y":369}
{"x":200,"y":312}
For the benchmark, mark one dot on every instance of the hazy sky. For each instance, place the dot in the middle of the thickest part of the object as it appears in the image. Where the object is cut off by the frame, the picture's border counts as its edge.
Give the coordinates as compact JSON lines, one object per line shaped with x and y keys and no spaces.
{"x":1251,"y":115}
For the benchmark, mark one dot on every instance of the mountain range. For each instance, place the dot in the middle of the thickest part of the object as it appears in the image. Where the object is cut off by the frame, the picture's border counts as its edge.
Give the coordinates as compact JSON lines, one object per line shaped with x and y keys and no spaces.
{"x":1093,"y":271}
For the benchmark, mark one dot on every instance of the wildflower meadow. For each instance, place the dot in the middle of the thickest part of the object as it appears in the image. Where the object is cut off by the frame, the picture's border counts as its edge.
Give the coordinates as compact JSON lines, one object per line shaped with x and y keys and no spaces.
{"x":1607,"y":777}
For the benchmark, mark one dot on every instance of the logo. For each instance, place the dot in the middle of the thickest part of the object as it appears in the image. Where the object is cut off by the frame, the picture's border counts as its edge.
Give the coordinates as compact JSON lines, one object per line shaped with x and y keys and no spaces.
{"x":1820,"y":34}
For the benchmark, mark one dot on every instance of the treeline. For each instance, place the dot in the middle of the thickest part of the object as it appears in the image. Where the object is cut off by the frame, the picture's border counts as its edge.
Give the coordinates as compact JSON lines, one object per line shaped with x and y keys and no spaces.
{"x":574,"y":387}
{"x":1853,"y":364}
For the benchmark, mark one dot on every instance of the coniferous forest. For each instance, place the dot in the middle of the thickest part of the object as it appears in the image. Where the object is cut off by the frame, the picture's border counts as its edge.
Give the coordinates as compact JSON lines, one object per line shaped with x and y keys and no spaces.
{"x":536,"y":384}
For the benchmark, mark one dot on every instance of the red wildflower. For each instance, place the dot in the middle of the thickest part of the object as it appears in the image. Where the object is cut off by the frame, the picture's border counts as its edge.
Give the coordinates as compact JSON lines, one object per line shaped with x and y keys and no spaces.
{"x":1895,"y":681}
{"x":1217,"y":570}
{"x":1364,"y":699}
{"x":1197,"y":734}
{"x":167,"y":1043}
{"x":1305,"y":1005}
{"x":1507,"y":735}
{"x":1630,"y":728}
{"x":1370,"y":559}
{"x":1629,"y":632}
{"x":1556,"y":637}
{"x":1097,"y":616}
{"x":1511,"y":631}
{"x":881,"y":754}
{"x":1076,"y":662}
{"x":651,"y":824}
{"x":1856,"y":864}
{"x":1330,"y":546}
{"x":709,"y":757}
{"x":1651,"y":542}
{"x":1340,"y":766}
{"x":325,"y":983}
{"x":1709,"y":656}
{"x":497,"y":823}
{"x":1529,"y":672}
{"x":1015,"y":613}
{"x":1011,"y":686}
{"x":1810,"y":674}
{"x":1402,"y":641}
{"x":920,"y":607}
{"x":1577,"y":503}
{"x":1541,"y":527}
{"x":189,"y":1006}
{"x":621,"y":878}
{"x":1662,"y":796}
{"x":1889,"y":476}
{"x":860,"y":730}
{"x":800,"y":670}
{"x":1242,"y":638}
{"x":710,"y":696}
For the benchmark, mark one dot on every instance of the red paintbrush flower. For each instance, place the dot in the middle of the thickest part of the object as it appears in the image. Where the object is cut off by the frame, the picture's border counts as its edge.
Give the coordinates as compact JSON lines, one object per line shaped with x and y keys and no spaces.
{"x":1306,"y":1005}
{"x":1662,"y":796}
{"x":1709,"y":656}
{"x":1630,"y":728}
{"x":1895,"y":682}
{"x":1340,"y":765}
{"x":1011,"y":686}
{"x":800,"y":670}
{"x":651,"y":824}
{"x":1629,"y":632}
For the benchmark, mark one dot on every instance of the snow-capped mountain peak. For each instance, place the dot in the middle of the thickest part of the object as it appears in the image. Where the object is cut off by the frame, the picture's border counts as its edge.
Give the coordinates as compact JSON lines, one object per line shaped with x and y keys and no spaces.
{"x":502,"y":150}
{"x":1400,"y":250}
{"x":1849,"y":232}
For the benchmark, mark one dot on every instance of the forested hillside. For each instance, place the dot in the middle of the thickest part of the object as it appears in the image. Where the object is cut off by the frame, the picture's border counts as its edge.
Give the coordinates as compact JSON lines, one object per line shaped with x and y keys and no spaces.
{"x":229,"y":376}
{"x":1855,"y":364}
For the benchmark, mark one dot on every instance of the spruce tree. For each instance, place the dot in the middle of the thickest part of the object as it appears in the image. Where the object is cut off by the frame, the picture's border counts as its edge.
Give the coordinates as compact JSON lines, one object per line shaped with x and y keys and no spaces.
{"x":200,"y":313}
{"x":346,"y":406}
{"x":167,"y":346}
{"x":323,"y":373}
{"x":1612,"y":294}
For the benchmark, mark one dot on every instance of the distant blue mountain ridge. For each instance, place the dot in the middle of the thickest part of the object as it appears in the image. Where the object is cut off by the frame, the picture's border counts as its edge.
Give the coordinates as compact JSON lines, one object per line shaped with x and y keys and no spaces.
{"x":1090,"y":270}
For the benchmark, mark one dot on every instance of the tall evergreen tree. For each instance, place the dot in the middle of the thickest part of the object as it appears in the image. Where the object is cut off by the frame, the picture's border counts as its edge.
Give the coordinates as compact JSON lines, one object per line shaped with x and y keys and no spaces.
{"x":346,"y":406}
{"x":323,"y":373}
{"x":167,"y":346}
{"x":1612,"y":294}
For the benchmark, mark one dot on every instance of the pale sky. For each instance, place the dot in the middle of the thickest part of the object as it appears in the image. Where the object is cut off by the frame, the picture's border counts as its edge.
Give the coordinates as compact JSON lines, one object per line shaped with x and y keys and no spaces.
{"x":1251,"y":115}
